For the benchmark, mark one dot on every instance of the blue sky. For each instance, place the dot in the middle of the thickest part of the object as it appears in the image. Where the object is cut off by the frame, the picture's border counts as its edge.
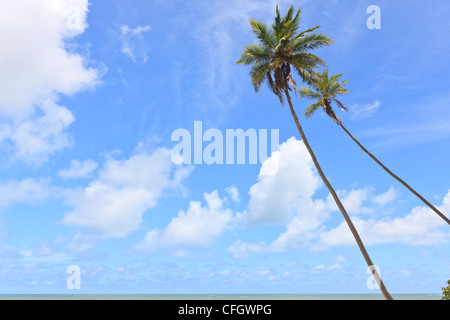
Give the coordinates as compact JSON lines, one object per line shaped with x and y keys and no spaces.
{"x":92,"y":92}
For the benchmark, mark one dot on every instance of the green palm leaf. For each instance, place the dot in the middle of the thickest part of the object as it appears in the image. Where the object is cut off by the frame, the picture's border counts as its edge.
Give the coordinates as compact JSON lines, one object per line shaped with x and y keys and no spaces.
{"x":280,"y":49}
{"x":324,"y":89}
{"x":312,"y":108}
{"x":254,"y":54}
{"x":259,"y":29}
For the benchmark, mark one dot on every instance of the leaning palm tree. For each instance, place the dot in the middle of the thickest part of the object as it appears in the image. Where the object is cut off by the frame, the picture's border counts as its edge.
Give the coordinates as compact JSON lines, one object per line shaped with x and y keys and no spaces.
{"x":324,"y":90}
{"x":281,"y":47}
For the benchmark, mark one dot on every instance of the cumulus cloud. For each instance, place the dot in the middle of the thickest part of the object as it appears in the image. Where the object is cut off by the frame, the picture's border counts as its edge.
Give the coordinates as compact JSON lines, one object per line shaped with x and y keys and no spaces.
{"x":78,"y":169}
{"x":353,"y":200}
{"x":199,"y":226}
{"x":362,"y":201}
{"x":24,"y":191}
{"x":36,"y":69}
{"x":384,"y":198}
{"x":112,"y":205}
{"x":38,"y":137}
{"x":287,"y":198}
{"x":419,"y":227}
{"x":275,"y":198}
{"x":233,"y":192}
{"x":241,"y":249}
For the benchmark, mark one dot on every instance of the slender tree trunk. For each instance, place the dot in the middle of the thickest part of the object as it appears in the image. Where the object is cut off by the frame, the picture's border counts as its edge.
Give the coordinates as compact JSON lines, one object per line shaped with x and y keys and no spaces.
{"x":339,"y":204}
{"x":397,"y":178}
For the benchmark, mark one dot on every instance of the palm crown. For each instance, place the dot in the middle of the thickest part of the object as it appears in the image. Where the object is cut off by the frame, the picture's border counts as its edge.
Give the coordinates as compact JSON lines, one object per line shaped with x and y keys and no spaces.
{"x":325,"y":89}
{"x":279,"y":47}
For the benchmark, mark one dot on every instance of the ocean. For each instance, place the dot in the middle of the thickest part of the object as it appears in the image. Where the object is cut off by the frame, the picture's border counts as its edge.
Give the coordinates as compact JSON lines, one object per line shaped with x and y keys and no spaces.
{"x":267,"y":297}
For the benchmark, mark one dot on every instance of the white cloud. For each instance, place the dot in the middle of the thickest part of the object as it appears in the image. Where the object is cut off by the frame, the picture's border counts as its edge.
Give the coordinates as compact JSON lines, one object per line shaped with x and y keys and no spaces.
{"x":318,"y":268}
{"x":323,"y":268}
{"x":302,"y":229}
{"x":420,"y":227}
{"x":133,"y":44}
{"x":36,"y":68}
{"x":25,"y":191}
{"x":241,"y":249}
{"x":287,"y":198}
{"x":38,"y":137}
{"x":362,"y":201}
{"x":197,"y":227}
{"x":364,"y":111}
{"x":274,"y":199}
{"x":220,"y":31}
{"x":352,"y":200}
{"x":112,"y":205}
{"x":384,"y":198}
{"x":78,"y":169}
{"x":233,"y":193}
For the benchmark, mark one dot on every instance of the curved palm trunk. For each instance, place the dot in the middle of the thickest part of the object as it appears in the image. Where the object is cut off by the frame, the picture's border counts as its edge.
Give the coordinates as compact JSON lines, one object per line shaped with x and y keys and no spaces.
{"x":396,"y":177}
{"x":339,"y":204}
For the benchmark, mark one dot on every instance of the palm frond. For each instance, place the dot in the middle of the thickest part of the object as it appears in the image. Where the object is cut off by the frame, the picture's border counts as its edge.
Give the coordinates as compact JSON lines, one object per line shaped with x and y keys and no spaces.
{"x":306,"y":59}
{"x":312,"y":108}
{"x":290,"y":25}
{"x":336,"y":77}
{"x":282,"y":48}
{"x":276,"y":26}
{"x":253,"y":54}
{"x":304,"y":72}
{"x":261,"y":31}
{"x":309,"y":93}
{"x":280,"y":97}
{"x":340,"y":104}
{"x":301,"y":34}
{"x":289,"y":14}
{"x":310,"y":42}
{"x":258,"y":74}
{"x":324,"y":89}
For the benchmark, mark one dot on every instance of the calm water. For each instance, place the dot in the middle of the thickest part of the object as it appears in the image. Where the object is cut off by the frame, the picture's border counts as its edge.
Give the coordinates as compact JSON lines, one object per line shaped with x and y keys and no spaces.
{"x":421,"y":296}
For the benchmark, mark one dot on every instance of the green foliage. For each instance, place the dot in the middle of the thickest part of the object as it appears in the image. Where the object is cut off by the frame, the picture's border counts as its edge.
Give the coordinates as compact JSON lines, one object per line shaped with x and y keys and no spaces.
{"x":280,"y":47}
{"x":324,"y":89}
{"x":446,"y":292}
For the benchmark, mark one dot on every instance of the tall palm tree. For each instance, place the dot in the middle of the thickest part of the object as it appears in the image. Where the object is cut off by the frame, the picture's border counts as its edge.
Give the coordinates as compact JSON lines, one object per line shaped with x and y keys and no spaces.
{"x":324,"y":89}
{"x":281,"y":47}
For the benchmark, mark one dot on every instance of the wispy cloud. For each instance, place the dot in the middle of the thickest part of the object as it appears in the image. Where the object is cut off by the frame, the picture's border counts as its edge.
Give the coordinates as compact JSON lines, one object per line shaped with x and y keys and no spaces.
{"x":421,"y":121}
{"x":24,"y":191}
{"x":221,"y":34}
{"x":133,"y":44}
{"x":364,"y":111}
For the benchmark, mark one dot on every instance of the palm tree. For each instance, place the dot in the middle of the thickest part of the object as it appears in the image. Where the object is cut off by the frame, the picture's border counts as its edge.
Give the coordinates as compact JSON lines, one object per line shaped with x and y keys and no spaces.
{"x":324,"y":89}
{"x":278,"y":49}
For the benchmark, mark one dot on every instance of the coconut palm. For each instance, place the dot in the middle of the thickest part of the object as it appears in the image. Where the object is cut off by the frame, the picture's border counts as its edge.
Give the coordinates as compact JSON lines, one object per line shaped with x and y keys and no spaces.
{"x":281,"y":48}
{"x":324,"y":89}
